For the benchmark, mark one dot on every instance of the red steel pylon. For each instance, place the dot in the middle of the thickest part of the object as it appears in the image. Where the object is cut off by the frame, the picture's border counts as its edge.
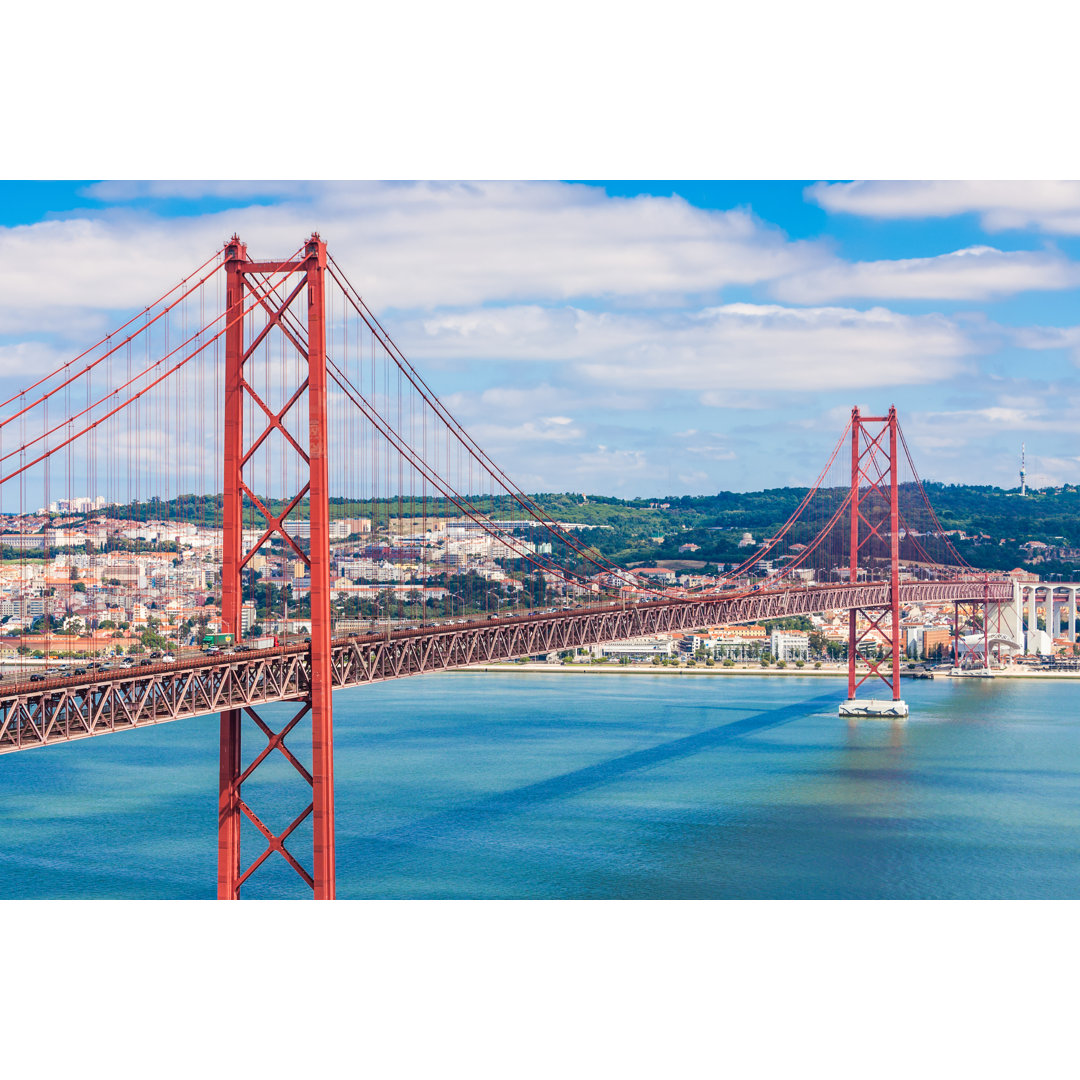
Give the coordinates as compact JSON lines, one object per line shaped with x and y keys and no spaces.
{"x":875,"y":520}
{"x":278,"y":286}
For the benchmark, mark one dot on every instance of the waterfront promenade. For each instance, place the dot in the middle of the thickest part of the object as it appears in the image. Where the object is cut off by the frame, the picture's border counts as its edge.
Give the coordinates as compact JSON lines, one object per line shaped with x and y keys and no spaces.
{"x":834,"y":670}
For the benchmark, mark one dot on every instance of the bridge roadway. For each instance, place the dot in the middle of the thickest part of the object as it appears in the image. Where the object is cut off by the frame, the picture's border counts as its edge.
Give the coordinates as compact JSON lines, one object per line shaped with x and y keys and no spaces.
{"x":60,"y":710}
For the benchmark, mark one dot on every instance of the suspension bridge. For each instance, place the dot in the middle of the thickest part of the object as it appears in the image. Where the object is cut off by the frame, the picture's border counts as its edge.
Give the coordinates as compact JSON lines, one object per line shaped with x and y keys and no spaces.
{"x":253,"y":451}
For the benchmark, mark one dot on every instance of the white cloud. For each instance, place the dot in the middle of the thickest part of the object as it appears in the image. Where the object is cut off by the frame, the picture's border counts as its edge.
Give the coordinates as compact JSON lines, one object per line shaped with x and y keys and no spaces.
{"x":976,"y":273}
{"x":962,"y":428}
{"x":631,"y":466}
{"x":981,"y":443}
{"x":706,"y":445}
{"x":118,"y":261}
{"x":1048,"y":337}
{"x":543,"y":279}
{"x":544,"y":429}
{"x":532,"y":402}
{"x":1049,"y":471}
{"x":28,"y":359}
{"x":742,"y":399}
{"x":597,"y":467}
{"x":408,"y":244}
{"x":114,"y":191}
{"x":1052,"y":206}
{"x":728,"y":348}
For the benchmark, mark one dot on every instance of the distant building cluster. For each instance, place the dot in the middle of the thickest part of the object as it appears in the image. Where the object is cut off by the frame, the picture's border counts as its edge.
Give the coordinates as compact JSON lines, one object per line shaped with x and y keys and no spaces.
{"x":74,"y":571}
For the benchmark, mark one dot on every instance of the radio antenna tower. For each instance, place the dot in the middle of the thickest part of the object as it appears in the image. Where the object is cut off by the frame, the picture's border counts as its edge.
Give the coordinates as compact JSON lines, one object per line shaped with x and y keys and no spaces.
{"x":1023,"y":473}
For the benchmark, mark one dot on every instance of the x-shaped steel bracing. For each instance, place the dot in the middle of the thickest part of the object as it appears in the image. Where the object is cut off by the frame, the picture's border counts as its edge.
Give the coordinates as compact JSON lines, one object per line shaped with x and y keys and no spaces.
{"x":275,"y":741}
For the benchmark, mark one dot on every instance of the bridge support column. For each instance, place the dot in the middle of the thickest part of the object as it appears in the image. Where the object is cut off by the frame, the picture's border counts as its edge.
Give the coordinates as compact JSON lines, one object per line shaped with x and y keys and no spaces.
{"x":322,"y":698}
{"x":229,"y":763}
{"x":1072,"y":615}
{"x":1016,"y":615}
{"x":1033,"y":617}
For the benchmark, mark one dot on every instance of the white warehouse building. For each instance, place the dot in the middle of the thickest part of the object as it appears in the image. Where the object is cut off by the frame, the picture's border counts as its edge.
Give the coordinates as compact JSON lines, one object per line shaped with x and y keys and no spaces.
{"x":639,"y":649}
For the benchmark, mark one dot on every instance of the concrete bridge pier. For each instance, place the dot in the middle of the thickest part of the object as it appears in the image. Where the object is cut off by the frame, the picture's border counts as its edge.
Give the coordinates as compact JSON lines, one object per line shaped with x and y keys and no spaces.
{"x":1056,"y":604}
{"x":1059,"y":598}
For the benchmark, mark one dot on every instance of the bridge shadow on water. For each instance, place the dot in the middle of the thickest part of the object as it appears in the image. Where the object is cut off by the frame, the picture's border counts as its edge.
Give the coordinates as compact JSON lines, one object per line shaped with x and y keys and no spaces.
{"x":566,"y":785}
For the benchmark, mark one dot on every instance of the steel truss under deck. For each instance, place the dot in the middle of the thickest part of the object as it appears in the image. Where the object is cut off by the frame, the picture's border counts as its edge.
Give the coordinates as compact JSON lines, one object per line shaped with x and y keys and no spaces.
{"x":62,"y":710}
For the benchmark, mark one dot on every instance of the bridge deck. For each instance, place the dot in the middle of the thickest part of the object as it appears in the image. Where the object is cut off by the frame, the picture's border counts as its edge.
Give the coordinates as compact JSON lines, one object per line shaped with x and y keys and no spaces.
{"x":57,"y":710}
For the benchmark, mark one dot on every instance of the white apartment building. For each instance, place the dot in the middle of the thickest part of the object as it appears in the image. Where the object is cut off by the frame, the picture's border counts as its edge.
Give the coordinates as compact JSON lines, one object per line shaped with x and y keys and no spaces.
{"x":302,"y":529}
{"x":789,"y":645}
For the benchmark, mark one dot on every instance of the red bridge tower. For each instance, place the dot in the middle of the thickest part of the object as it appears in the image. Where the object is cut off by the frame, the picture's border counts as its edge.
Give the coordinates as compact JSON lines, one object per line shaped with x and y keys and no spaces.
{"x":875,"y":535}
{"x":277,"y":286}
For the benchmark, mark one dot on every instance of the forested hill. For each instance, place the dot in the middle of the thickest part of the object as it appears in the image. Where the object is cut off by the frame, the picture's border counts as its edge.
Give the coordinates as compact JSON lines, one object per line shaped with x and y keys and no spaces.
{"x":997,"y":522}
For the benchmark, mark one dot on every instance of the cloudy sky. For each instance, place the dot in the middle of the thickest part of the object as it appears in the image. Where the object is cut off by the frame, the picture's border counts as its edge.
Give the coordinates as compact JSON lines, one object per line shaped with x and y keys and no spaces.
{"x":626,"y":338}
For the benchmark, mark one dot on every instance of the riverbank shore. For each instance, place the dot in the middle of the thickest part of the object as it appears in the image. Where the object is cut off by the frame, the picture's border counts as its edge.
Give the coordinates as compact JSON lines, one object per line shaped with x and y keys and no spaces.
{"x":648,"y":669}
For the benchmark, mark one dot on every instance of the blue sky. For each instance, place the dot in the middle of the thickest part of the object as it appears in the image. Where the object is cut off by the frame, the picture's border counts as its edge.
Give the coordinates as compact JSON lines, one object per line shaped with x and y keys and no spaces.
{"x":634,"y":338}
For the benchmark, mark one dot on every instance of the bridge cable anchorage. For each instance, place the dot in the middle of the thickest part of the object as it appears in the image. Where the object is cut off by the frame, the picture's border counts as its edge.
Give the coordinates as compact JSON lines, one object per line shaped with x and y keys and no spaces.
{"x":247,"y":497}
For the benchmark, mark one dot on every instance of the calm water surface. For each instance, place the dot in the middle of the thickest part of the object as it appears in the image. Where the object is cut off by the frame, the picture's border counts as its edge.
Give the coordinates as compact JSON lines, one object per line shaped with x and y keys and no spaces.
{"x":546,"y":786}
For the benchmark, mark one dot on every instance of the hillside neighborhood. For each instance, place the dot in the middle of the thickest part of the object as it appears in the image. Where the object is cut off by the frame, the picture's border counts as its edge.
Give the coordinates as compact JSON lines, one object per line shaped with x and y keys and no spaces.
{"x":79,"y":580}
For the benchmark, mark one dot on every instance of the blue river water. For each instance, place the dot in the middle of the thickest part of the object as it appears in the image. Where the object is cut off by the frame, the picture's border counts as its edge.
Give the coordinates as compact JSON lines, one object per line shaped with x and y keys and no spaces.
{"x":515,"y":785}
